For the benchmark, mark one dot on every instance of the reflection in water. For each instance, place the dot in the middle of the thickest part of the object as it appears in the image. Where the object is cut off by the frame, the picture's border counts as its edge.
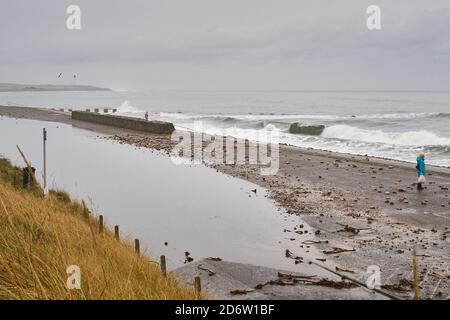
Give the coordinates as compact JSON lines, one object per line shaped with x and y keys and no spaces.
{"x":193,"y":209}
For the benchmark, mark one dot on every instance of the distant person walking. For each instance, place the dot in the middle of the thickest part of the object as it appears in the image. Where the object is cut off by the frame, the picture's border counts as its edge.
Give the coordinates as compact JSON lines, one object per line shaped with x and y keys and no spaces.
{"x":421,"y":171}
{"x":146,"y":116}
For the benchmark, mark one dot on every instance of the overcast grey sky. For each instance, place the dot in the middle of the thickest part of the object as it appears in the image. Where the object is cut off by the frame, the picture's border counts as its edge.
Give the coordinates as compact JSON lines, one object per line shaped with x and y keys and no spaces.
{"x":228,"y":44}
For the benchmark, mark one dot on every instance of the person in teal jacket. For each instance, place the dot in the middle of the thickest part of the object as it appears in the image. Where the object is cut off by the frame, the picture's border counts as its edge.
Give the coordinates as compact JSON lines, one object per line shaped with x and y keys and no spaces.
{"x":421,"y":170}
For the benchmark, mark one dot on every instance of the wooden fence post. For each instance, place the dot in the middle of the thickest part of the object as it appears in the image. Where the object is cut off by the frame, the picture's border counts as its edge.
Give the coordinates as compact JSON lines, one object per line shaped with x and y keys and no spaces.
{"x":116,"y":232}
{"x":137,"y":247}
{"x":100,"y":224}
{"x":197,"y":285}
{"x":163,"y":265}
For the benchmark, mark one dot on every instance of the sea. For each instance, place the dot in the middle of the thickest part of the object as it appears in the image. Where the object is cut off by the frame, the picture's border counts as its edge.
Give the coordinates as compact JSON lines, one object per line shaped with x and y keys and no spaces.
{"x":387,"y":124}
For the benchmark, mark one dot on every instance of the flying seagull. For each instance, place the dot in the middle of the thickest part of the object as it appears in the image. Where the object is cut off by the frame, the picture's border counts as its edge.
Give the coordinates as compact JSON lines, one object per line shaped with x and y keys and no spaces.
{"x":60,"y":75}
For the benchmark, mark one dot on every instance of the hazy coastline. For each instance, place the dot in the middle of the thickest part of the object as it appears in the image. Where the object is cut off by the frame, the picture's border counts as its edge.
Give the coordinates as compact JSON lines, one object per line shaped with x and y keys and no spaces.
{"x":14,"y":87}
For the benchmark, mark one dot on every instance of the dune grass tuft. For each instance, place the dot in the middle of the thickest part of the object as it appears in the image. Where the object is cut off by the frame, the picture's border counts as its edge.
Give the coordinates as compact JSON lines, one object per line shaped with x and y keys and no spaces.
{"x":40,"y":239}
{"x":9,"y":173}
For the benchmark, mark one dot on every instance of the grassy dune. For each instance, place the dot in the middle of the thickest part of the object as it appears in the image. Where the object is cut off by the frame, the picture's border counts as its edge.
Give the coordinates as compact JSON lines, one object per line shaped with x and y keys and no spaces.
{"x":40,"y":238}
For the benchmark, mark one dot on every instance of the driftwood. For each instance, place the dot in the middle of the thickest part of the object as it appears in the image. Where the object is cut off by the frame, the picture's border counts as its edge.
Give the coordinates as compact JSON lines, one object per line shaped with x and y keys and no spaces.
{"x":344,"y":270}
{"x":349,"y":229}
{"x":338,"y":250}
{"x":292,"y":280}
{"x":214,"y":259}
{"x":321,"y":259}
{"x":308,"y":242}
{"x":210,"y":272}
{"x":240,"y":292}
{"x":277,"y":282}
{"x":403,"y":285}
{"x":294,"y":276}
{"x":297,"y":259}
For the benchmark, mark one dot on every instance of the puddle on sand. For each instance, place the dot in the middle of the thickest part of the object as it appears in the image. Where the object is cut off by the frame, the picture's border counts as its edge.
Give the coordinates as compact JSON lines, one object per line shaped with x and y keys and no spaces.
{"x":193,"y":209}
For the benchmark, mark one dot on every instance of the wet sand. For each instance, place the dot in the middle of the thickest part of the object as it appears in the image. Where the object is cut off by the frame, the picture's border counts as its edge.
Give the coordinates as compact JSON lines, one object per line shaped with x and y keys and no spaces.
{"x":365,"y":211}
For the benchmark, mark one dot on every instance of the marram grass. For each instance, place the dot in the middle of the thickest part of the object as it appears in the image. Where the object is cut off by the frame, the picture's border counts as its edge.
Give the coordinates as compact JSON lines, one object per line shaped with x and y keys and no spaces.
{"x":40,"y":239}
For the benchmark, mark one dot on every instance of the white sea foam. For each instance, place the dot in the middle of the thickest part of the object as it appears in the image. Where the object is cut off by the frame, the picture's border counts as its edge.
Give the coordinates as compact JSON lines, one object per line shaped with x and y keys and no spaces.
{"x":412,"y":138}
{"x":296,"y":117}
{"x":126,"y":107}
{"x":348,"y":139}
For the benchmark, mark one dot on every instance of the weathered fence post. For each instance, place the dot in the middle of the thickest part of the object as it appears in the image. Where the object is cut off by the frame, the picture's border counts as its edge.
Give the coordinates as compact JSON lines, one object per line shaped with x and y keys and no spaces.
{"x":44,"y":145}
{"x":100,"y":224}
{"x":137,"y":247}
{"x":163,"y":265}
{"x":197,"y":285}
{"x":116,"y":232}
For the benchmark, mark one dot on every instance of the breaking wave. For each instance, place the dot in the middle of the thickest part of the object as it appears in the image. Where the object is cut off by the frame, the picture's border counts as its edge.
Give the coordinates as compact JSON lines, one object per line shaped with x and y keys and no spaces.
{"x":294,"y":117}
{"x":126,"y":107}
{"x":412,"y":138}
{"x":361,"y":134}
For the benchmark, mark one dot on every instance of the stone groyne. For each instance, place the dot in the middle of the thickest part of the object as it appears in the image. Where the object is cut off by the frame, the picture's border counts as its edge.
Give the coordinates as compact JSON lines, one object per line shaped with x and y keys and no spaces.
{"x":158,"y":127}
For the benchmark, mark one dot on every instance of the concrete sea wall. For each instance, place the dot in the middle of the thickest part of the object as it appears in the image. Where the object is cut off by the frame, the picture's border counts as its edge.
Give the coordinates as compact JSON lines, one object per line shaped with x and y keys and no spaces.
{"x":125,"y":122}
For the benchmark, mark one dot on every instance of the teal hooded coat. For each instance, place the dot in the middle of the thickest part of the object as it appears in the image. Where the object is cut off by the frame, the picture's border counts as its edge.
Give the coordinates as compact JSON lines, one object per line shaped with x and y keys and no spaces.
{"x":421,"y":169}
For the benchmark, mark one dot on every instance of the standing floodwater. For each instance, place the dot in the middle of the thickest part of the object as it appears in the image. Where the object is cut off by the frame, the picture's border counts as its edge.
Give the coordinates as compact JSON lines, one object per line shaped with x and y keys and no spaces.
{"x":193,"y":209}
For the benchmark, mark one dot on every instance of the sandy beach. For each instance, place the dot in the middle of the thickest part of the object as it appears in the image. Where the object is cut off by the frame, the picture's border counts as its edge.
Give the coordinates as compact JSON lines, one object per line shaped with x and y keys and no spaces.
{"x":365,"y":211}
